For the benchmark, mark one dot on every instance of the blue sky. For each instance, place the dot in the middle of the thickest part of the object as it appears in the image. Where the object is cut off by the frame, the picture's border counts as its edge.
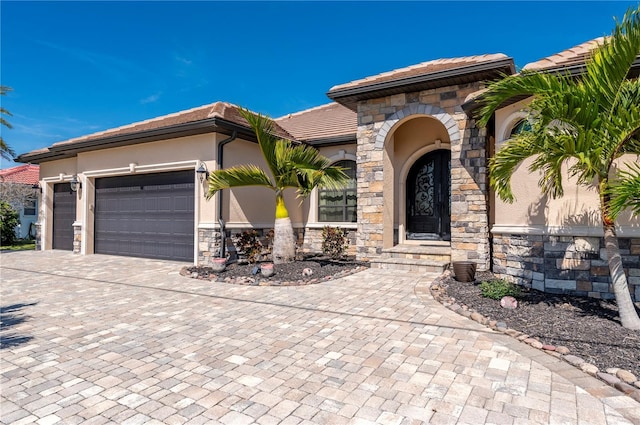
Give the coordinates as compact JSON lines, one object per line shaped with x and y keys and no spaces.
{"x":81,"y":67}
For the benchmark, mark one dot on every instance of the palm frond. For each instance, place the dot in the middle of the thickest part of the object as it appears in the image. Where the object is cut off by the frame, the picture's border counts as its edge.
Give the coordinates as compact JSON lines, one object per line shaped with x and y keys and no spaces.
{"x":610,"y":63}
{"x":263,"y":127}
{"x":506,"y":161}
{"x":241,"y":175}
{"x":625,"y":192}
{"x":5,"y":151}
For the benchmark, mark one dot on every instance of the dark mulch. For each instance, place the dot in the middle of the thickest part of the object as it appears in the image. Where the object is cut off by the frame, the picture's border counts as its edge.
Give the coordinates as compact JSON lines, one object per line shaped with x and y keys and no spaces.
{"x":322,"y":269}
{"x":590,"y":328}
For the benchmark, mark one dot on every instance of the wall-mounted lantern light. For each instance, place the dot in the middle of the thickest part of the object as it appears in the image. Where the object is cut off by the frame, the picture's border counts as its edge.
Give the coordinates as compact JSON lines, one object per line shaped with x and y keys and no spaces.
{"x":75,"y":183}
{"x":202,"y":172}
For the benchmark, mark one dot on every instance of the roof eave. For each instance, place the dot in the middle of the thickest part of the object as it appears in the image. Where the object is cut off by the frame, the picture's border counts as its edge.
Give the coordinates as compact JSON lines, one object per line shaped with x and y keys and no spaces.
{"x":70,"y":150}
{"x":348,"y":96}
{"x":332,"y":141}
{"x":576,"y":70}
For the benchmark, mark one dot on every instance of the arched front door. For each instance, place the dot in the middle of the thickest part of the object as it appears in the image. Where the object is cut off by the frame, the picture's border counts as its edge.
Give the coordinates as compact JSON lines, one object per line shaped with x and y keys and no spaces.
{"x":429,"y":197}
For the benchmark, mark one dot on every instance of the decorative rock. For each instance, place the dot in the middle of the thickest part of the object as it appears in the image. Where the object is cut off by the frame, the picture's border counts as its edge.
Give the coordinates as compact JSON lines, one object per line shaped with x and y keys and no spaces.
{"x":184,"y":271}
{"x":307,"y":272}
{"x":589,"y":368}
{"x":477,"y":317}
{"x":194,"y":275}
{"x":465,"y":313}
{"x":502,"y":326}
{"x":637,"y":384}
{"x":509,"y":303}
{"x":624,"y":387}
{"x":562,"y":349}
{"x":635,"y":395}
{"x":613,"y":370}
{"x":533,"y":342}
{"x":574,"y":360}
{"x":523,"y":337}
{"x":626,"y":376}
{"x":608,"y":378}
{"x":549,"y":347}
{"x":513,"y":333}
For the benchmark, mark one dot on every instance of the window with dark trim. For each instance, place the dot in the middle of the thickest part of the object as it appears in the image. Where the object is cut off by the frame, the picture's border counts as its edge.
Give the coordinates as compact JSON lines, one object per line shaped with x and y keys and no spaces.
{"x":522,"y":126}
{"x":339,"y":205}
{"x":29,"y":207}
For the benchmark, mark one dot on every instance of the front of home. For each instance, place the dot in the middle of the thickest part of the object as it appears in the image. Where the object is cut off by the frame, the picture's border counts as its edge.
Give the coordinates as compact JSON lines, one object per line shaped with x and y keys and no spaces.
{"x":418,"y":197}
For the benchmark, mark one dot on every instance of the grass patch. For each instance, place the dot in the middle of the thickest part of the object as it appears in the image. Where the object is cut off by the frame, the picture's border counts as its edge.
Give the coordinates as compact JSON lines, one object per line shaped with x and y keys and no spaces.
{"x":19,"y":246}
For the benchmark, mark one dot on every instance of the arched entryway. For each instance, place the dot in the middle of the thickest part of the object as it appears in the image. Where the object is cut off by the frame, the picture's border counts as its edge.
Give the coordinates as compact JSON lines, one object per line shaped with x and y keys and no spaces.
{"x":428,"y":201}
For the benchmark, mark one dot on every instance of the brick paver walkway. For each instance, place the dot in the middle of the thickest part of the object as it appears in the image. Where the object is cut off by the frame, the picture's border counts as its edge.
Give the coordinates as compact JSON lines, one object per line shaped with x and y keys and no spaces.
{"x":99,"y":339}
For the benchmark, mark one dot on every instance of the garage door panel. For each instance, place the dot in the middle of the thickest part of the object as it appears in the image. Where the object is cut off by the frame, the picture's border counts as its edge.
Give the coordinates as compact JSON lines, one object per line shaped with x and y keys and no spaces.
{"x":64,"y":215}
{"x":146,"y":215}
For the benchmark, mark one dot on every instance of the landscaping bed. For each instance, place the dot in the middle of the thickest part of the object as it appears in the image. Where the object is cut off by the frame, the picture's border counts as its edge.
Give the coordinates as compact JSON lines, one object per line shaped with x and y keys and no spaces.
{"x":588,"y":327}
{"x":309,"y":270}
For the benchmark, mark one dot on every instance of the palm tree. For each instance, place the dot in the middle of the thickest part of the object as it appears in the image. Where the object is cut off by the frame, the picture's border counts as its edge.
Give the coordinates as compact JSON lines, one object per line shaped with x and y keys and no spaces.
{"x":292,"y":165}
{"x":586,"y":123}
{"x":5,"y":151}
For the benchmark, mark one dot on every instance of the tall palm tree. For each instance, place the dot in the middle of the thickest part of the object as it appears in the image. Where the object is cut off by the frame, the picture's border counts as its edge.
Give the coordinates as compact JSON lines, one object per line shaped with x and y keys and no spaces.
{"x":585,"y":123}
{"x":5,"y":151}
{"x":292,"y":165}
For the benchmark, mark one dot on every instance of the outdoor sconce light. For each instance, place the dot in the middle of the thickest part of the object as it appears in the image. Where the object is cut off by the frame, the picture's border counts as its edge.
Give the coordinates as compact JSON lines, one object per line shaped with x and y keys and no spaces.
{"x":202,"y":172}
{"x":36,"y":186}
{"x":75,"y":184}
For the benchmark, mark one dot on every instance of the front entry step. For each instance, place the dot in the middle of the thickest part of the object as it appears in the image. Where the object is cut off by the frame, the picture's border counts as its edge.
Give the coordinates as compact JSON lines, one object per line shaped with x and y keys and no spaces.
{"x":428,"y":257}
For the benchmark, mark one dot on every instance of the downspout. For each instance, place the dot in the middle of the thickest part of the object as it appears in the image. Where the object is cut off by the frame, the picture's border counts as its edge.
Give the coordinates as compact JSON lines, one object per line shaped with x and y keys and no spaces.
{"x":223,"y":237}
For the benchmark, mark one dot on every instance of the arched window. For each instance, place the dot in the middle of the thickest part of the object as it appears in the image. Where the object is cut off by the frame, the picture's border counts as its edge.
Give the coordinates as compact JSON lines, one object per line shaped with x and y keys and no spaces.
{"x":521,"y":126}
{"x":339,"y":205}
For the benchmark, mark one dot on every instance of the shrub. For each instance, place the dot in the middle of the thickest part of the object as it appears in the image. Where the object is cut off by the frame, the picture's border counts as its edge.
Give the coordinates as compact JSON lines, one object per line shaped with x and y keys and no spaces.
{"x":248,"y":242}
{"x":498,"y":288}
{"x":334,"y":242}
{"x":9,"y":219}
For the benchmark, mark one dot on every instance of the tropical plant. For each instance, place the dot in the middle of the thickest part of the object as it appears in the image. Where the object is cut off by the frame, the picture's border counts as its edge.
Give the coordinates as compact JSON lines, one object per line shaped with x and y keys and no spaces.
{"x":584,"y":123}
{"x":334,"y":242}
{"x":9,"y":219}
{"x":292,"y":165}
{"x":5,"y":151}
{"x":496,"y":289}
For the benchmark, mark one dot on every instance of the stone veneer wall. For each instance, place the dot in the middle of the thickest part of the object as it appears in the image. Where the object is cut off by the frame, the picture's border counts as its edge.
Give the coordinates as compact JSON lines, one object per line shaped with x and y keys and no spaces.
{"x":39,"y":244}
{"x":307,"y":240}
{"x":77,"y":238}
{"x":469,"y":219}
{"x":564,"y":264}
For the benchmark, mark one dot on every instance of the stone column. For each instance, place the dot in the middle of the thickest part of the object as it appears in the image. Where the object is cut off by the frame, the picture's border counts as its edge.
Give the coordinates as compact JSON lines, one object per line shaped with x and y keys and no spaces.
{"x":77,"y":238}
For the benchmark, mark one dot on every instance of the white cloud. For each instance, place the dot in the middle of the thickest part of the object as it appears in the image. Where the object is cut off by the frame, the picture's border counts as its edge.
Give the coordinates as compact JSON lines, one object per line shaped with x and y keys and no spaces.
{"x":150,"y":99}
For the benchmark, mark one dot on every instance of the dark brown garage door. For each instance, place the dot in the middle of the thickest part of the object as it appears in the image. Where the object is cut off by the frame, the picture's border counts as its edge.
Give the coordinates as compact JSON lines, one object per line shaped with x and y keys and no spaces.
{"x":148,"y":215}
{"x":64,"y":214}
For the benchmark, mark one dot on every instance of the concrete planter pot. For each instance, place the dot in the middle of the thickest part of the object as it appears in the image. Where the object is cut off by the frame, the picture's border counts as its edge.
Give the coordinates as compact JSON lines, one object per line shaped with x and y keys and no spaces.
{"x":218,"y":264}
{"x":266,"y":269}
{"x":464,"y":271}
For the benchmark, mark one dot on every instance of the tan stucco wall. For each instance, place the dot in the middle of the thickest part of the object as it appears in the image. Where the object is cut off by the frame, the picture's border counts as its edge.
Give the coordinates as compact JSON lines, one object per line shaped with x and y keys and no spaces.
{"x":412,"y":139}
{"x":576,"y":212}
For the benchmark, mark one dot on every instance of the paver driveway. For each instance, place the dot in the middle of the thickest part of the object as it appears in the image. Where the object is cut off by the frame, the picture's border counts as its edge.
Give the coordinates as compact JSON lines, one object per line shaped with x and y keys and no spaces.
{"x":99,"y":339}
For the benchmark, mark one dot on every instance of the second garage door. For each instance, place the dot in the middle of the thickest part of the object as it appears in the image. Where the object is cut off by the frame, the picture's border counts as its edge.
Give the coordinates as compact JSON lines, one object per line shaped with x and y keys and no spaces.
{"x":148,"y":215}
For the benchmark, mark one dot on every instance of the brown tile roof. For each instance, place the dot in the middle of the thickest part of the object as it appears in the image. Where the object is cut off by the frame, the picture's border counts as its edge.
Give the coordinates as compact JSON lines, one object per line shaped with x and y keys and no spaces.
{"x":576,"y":55}
{"x":23,"y":174}
{"x":424,"y":68}
{"x":226,"y":111}
{"x":322,"y":122}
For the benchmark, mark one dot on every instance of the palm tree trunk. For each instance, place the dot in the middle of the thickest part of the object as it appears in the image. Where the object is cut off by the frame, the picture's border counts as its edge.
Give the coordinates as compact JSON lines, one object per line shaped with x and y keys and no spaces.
{"x":284,"y":243}
{"x":626,"y":309}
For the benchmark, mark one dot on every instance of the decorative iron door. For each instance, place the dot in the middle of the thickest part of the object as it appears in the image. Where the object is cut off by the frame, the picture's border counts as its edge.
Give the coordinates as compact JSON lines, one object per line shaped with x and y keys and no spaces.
{"x":429,"y":197}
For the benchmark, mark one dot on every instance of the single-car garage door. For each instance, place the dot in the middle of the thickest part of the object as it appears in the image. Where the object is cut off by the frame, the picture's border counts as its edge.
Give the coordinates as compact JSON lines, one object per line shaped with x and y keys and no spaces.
{"x":64,"y":215}
{"x":149,"y":215}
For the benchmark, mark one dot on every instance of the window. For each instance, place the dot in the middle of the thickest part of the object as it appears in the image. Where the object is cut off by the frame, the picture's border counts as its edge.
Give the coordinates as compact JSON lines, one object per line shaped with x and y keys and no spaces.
{"x":519,"y":127}
{"x":339,"y":205}
{"x":29,"y":207}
